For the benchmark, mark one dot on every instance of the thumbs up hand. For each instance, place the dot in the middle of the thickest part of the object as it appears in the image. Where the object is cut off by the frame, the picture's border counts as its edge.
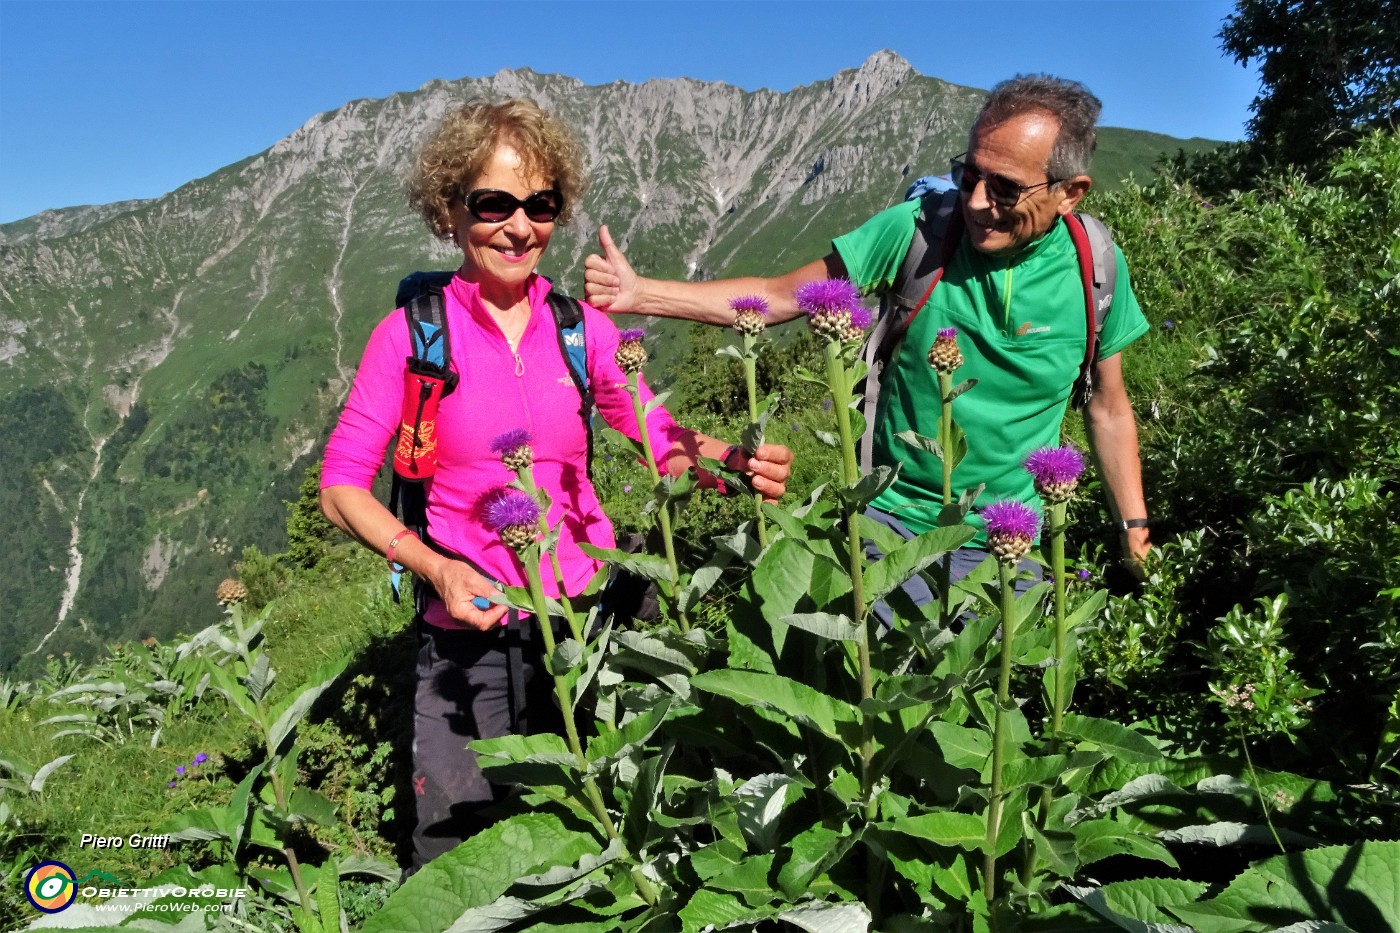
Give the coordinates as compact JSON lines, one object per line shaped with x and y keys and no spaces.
{"x":609,"y":283}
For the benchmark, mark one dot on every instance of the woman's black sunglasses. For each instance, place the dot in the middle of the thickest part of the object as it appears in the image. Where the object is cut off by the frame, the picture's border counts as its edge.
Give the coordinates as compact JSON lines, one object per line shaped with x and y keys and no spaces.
{"x":1000,"y":189}
{"x":491,"y":205}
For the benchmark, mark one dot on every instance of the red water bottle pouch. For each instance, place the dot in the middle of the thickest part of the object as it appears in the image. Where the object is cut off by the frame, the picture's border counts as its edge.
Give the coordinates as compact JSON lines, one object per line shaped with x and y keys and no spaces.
{"x":415,"y":454}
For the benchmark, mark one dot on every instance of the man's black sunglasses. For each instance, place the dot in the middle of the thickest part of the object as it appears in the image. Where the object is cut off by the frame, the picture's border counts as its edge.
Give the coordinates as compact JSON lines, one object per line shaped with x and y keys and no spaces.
{"x":1000,"y":189}
{"x":491,"y":205}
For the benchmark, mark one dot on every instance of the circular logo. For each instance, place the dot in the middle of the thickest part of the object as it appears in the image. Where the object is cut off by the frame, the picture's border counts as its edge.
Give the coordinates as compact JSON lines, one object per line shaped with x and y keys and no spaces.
{"x":50,"y":886}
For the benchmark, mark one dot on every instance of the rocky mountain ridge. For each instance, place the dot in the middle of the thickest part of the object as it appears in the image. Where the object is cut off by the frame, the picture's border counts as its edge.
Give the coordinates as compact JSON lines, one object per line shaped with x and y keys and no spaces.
{"x":171,"y":366}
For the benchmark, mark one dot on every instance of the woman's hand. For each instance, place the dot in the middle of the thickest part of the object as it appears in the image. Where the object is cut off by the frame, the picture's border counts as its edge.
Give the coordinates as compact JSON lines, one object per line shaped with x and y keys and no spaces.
{"x":457,"y":584}
{"x":768,"y":470}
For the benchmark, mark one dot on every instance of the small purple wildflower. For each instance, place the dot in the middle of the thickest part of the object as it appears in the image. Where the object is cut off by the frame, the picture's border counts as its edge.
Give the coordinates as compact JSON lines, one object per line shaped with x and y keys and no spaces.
{"x":201,"y":758}
{"x":171,"y":784}
{"x":180,"y":771}
{"x":1169,"y":325}
{"x":827,"y":404}
{"x":627,"y":488}
{"x":1011,"y":527}
{"x":631,"y":335}
{"x":1085,"y":575}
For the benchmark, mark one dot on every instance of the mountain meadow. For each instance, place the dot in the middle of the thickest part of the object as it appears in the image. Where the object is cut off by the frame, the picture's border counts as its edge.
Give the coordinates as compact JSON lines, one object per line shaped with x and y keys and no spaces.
{"x":1207,"y":742}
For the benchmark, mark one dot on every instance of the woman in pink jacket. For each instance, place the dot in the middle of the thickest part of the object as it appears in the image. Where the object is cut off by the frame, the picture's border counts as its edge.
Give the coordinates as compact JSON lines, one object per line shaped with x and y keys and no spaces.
{"x":494,"y":180}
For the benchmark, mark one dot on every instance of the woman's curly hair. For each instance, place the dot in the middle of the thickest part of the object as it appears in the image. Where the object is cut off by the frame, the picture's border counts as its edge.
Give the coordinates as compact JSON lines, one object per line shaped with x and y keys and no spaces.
{"x":459,"y":149}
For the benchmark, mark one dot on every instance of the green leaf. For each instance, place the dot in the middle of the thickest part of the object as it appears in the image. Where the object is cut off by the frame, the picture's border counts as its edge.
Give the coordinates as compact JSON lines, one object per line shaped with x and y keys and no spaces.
{"x":702,"y":581}
{"x":778,"y":693}
{"x":260,"y":678}
{"x":912,"y":556}
{"x":1355,"y":886}
{"x":638,"y":729}
{"x":960,"y":388}
{"x":759,"y":803}
{"x":290,"y":712}
{"x":479,"y":871}
{"x":825,"y":625}
{"x":869,"y":486}
{"x":656,"y":401}
{"x":235,"y":822}
{"x":790,"y":575}
{"x":716,"y":910}
{"x":36,"y":783}
{"x":828,"y":918}
{"x":809,"y":854}
{"x":1232,"y":834}
{"x":1140,"y":788}
{"x":922,"y":442}
{"x":194,"y":825}
{"x":535,"y":760}
{"x":328,"y":897}
{"x":311,"y":806}
{"x":1136,"y":905}
{"x":1114,"y":740}
{"x":643,"y":565}
{"x":946,"y":828}
{"x":961,"y":746}
{"x":1099,"y":839}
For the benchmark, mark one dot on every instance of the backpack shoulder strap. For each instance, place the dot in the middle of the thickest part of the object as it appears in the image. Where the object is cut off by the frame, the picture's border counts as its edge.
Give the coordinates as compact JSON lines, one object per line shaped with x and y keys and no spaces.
{"x":573,"y":346}
{"x":937,"y":229}
{"x":1098,"y":271}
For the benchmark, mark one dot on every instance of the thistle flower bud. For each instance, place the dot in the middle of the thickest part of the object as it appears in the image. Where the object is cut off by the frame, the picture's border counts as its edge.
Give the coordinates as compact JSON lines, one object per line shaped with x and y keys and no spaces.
{"x":1011,"y":528}
{"x":231,"y":591}
{"x":513,"y":447}
{"x":631,"y":356}
{"x":944,"y":355}
{"x":750,"y":314}
{"x":1056,"y":471}
{"x":514,"y":516}
{"x":831,"y":306}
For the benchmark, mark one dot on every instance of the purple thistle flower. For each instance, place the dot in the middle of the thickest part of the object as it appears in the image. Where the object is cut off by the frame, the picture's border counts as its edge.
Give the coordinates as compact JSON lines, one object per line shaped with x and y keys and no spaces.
{"x":753,"y":304}
{"x":944,"y":355}
{"x":1011,"y":518}
{"x":180,"y":771}
{"x":631,"y":335}
{"x":511,"y":440}
{"x":860,"y":318}
{"x":510,"y":508}
{"x":947,"y":333}
{"x":829,"y":305}
{"x":827,"y":295}
{"x":1011,"y":527}
{"x":631,"y":356}
{"x":1056,"y":471}
{"x":201,"y":758}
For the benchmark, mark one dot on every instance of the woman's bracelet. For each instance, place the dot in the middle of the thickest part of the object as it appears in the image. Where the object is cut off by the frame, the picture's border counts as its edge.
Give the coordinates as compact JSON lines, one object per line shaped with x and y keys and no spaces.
{"x":394,"y":546}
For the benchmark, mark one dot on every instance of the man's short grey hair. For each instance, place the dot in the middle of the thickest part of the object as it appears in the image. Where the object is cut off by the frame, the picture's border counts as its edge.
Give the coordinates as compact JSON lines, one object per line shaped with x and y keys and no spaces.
{"x":1070,"y":102}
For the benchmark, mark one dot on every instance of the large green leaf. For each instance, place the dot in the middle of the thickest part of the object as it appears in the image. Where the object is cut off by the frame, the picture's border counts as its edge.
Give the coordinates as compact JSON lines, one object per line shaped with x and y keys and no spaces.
{"x":961,"y":746}
{"x":291,"y":711}
{"x":809,"y":854}
{"x":825,"y":625}
{"x":643,"y":565}
{"x":1099,"y":839}
{"x":479,"y":871}
{"x":790,"y":577}
{"x":828,"y":918}
{"x":637,"y":730}
{"x":1114,"y":740}
{"x":781,"y":694}
{"x":964,"y":830}
{"x":759,"y":804}
{"x":716,"y":910}
{"x":1357,"y":886}
{"x":914,"y":555}
{"x":1136,"y":906}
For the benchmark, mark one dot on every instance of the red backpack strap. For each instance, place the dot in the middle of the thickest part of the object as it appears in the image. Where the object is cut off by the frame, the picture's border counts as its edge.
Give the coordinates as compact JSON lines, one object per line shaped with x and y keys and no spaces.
{"x":1084,"y":385}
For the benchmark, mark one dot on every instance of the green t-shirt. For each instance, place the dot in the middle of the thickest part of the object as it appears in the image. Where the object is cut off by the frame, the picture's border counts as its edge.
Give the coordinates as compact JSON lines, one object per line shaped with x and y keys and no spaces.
{"x":1020,"y":326}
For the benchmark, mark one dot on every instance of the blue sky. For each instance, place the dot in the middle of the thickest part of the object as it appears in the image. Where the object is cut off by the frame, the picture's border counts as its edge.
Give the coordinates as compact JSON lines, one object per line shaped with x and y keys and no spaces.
{"x":103,"y":101}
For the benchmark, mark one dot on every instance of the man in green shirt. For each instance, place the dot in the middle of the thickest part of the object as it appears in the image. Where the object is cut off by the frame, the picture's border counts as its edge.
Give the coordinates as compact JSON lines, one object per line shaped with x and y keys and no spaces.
{"x":1013,"y":291}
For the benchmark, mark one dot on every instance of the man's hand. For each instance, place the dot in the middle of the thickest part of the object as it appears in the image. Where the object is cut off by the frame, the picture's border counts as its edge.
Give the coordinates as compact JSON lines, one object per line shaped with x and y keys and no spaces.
{"x":768,"y":470}
{"x":609,"y":284}
{"x":457,"y":585}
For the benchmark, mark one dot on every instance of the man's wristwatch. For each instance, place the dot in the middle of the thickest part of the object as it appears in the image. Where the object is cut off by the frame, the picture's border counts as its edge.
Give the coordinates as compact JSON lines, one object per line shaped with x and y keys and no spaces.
{"x":1124,"y":525}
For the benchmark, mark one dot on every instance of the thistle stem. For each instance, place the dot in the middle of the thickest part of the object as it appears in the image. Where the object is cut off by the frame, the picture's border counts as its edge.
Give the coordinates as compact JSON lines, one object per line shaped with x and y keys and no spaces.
{"x":663,"y":513}
{"x":526,"y":475}
{"x":945,"y":443}
{"x":751,"y":380}
{"x":995,"y":801}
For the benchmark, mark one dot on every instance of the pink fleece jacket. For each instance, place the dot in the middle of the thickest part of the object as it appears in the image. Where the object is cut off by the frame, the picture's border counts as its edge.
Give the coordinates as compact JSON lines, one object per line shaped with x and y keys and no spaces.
{"x":498,"y":391}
